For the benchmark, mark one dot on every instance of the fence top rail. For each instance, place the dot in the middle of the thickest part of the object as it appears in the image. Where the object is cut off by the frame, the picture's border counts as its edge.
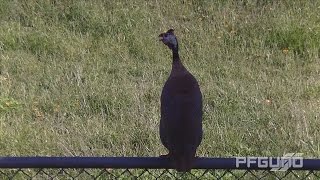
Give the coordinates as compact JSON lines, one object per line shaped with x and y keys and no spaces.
{"x":140,"y":162}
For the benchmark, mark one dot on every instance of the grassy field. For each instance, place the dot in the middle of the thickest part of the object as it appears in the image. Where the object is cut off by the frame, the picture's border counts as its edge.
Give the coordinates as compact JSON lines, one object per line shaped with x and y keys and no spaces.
{"x":84,"y":78}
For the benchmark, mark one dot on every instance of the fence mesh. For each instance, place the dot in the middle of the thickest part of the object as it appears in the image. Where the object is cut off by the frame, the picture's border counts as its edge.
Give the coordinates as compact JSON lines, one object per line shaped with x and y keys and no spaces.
{"x":98,"y":173}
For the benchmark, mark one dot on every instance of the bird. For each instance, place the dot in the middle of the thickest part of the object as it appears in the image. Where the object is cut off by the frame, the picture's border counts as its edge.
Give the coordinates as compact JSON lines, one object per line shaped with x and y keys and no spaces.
{"x":181,"y":111}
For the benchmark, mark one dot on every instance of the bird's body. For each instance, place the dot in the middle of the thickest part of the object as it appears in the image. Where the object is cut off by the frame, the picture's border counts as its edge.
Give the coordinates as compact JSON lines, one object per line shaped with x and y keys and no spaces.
{"x":181,"y":114}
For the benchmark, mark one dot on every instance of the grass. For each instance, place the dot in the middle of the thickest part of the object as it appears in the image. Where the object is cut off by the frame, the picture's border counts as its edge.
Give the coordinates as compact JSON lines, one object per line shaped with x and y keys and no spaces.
{"x":84,"y":78}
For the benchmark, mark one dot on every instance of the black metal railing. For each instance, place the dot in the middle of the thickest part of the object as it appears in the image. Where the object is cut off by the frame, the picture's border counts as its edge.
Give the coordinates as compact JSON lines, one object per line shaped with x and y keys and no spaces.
{"x":146,"y":168}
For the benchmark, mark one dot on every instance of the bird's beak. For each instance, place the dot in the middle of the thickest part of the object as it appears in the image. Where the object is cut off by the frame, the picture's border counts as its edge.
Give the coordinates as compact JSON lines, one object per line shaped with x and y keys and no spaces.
{"x":161,"y":37}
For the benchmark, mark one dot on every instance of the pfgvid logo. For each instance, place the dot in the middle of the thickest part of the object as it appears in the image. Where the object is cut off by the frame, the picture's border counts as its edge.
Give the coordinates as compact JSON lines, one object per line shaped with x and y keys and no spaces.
{"x":283,"y":163}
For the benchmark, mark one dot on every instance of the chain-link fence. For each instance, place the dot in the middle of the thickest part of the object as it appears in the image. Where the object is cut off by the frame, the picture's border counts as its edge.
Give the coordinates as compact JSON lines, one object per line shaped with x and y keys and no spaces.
{"x":147,"y":174}
{"x":145,"y":168}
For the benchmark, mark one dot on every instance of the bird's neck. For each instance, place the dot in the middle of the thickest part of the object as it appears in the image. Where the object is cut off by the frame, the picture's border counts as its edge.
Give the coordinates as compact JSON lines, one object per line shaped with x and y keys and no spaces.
{"x":177,"y":66}
{"x":175,"y":55}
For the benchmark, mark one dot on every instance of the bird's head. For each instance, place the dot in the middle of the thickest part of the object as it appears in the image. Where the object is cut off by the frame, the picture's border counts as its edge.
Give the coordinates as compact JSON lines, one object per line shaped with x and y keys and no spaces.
{"x":169,"y":39}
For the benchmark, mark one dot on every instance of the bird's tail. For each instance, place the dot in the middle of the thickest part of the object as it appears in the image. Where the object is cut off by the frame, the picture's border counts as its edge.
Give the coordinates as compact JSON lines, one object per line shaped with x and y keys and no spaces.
{"x":184,"y":163}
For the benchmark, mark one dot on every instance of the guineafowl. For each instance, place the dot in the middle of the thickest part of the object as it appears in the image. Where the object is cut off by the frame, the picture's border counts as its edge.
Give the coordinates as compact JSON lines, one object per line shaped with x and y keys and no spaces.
{"x":181,"y":111}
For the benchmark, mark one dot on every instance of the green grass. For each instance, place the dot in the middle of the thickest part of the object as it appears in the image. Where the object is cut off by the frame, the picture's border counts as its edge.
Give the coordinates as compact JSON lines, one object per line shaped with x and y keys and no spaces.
{"x":84,"y":78}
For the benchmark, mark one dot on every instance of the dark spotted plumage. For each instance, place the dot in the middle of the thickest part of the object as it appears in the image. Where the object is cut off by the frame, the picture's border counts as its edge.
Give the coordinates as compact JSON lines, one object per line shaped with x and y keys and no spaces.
{"x":181,"y":111}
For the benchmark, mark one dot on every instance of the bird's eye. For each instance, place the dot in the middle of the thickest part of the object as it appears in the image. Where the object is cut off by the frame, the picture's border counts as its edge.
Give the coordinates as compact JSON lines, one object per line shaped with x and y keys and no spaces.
{"x":165,"y":35}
